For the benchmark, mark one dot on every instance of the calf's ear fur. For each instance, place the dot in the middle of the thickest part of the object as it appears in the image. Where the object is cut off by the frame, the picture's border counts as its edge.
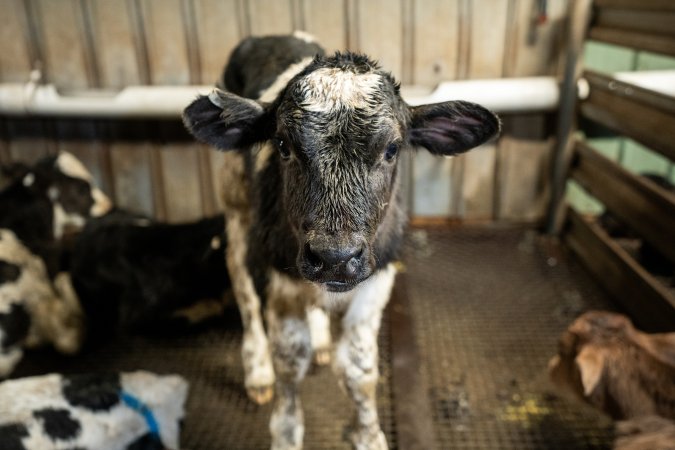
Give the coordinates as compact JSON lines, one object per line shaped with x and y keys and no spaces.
{"x":226,"y":121}
{"x":452,"y":127}
{"x":591,"y":363}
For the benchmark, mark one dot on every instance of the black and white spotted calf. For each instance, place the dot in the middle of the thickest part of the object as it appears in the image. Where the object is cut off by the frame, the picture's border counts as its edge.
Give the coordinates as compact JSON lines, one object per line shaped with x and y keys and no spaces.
{"x":135,"y":411}
{"x":42,"y":201}
{"x":314,"y":212}
{"x":34,"y":309}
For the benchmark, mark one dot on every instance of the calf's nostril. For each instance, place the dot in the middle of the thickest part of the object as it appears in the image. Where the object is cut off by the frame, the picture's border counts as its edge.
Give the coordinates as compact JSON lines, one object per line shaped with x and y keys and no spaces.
{"x":313,"y":259}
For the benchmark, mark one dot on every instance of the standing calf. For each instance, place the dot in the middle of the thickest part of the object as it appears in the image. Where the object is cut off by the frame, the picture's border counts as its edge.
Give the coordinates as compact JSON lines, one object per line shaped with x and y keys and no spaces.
{"x":314,"y":212}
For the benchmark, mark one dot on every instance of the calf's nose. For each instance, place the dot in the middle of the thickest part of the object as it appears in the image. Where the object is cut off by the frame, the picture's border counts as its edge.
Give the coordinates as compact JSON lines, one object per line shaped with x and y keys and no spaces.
{"x":347,"y":259}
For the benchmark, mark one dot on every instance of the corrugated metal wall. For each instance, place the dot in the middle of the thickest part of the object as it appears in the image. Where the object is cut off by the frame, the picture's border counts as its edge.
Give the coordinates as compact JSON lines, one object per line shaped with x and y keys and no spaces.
{"x":112,"y":43}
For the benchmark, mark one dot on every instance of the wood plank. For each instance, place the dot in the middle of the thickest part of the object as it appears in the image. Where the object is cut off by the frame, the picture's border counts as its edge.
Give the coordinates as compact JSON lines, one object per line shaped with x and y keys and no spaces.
{"x":327,"y":20}
{"x":218,"y":32}
{"x":432,"y":185}
{"x":522,"y":165}
{"x":436,"y":42}
{"x":643,"y":41}
{"x":644,"y":298}
{"x":133,"y":185}
{"x":650,"y":22}
{"x":411,"y":406}
{"x":180,"y":168}
{"x":538,"y":46}
{"x":270,"y":17}
{"x":664,"y":5}
{"x":116,"y":43}
{"x":646,"y":116}
{"x":478,"y":183}
{"x":487,"y":41}
{"x":166,"y":43}
{"x":15,"y":58}
{"x":29,"y":139}
{"x":640,"y":204}
{"x":380,"y":33}
{"x":63,"y":41}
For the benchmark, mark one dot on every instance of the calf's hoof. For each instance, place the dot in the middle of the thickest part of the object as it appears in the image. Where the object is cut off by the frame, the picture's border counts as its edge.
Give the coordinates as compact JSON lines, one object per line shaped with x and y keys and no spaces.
{"x":260,"y":394}
{"x":322,"y":356}
{"x":371,"y":438}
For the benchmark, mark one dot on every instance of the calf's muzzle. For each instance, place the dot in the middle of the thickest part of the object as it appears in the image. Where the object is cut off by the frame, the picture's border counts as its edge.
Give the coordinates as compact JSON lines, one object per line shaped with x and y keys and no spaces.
{"x":340,"y":263}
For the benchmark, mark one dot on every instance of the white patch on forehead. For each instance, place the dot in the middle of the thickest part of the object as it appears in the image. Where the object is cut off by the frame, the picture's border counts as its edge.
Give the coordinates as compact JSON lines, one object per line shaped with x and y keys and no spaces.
{"x":72,"y":166}
{"x":327,"y":89}
{"x":269,"y":94}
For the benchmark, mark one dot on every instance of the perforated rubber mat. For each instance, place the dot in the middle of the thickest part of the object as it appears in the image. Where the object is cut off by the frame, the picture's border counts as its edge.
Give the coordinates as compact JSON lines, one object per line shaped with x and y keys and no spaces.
{"x":219,"y":415}
{"x":487,"y":310}
{"x":488,"y":307}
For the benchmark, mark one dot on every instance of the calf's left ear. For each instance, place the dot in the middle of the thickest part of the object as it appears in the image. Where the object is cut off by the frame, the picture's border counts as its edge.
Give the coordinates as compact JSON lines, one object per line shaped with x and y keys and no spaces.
{"x":452,"y":127}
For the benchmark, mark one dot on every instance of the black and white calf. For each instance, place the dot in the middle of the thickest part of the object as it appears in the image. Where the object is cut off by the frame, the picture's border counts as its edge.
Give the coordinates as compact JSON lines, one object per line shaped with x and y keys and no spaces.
{"x":43,"y":201}
{"x":141,"y":276}
{"x":34,"y":310}
{"x":313,"y":207}
{"x":136,"y":410}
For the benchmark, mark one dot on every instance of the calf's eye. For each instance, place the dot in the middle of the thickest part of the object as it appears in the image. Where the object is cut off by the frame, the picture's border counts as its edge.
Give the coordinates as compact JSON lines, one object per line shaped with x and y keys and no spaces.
{"x":283,"y":148}
{"x":390,"y":152}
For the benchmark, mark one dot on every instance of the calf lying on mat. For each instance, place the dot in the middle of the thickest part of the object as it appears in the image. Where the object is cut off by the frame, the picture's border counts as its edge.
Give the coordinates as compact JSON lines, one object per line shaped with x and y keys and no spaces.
{"x":626,"y":373}
{"x":136,"y":410}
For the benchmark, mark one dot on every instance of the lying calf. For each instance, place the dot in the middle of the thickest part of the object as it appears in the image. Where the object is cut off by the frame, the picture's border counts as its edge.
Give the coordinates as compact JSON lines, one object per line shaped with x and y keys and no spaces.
{"x":33,"y":310}
{"x":136,"y":410}
{"x":622,"y":371}
{"x":645,"y":433}
{"x":44,"y":201}
{"x":141,"y":276}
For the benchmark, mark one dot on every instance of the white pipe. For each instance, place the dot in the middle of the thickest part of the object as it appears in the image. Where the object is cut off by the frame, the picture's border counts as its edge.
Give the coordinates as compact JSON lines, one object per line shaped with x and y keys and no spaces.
{"x":662,"y":81}
{"x":132,"y":101}
{"x":501,"y":95}
{"x":517,"y":94}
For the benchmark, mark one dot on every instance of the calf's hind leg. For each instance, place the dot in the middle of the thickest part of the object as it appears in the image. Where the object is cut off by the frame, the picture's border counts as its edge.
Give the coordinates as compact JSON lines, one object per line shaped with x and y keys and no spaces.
{"x":258,"y":371}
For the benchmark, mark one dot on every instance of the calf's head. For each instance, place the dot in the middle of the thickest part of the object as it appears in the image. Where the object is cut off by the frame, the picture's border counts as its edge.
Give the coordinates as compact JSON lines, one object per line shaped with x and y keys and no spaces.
{"x":603,"y":359}
{"x":335,"y":132}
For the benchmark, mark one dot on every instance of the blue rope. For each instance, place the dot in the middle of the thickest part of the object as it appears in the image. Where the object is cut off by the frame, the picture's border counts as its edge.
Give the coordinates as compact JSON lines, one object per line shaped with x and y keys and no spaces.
{"x":142,"y":409}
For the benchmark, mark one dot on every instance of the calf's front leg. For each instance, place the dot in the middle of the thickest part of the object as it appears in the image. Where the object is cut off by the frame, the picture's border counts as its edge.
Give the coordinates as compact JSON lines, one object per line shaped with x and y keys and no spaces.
{"x":291,"y":344}
{"x":356,"y":357}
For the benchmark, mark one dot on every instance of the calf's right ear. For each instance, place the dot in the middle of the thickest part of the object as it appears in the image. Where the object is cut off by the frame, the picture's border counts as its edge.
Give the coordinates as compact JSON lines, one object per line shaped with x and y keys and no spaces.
{"x":591,"y":364}
{"x":226,"y":121}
